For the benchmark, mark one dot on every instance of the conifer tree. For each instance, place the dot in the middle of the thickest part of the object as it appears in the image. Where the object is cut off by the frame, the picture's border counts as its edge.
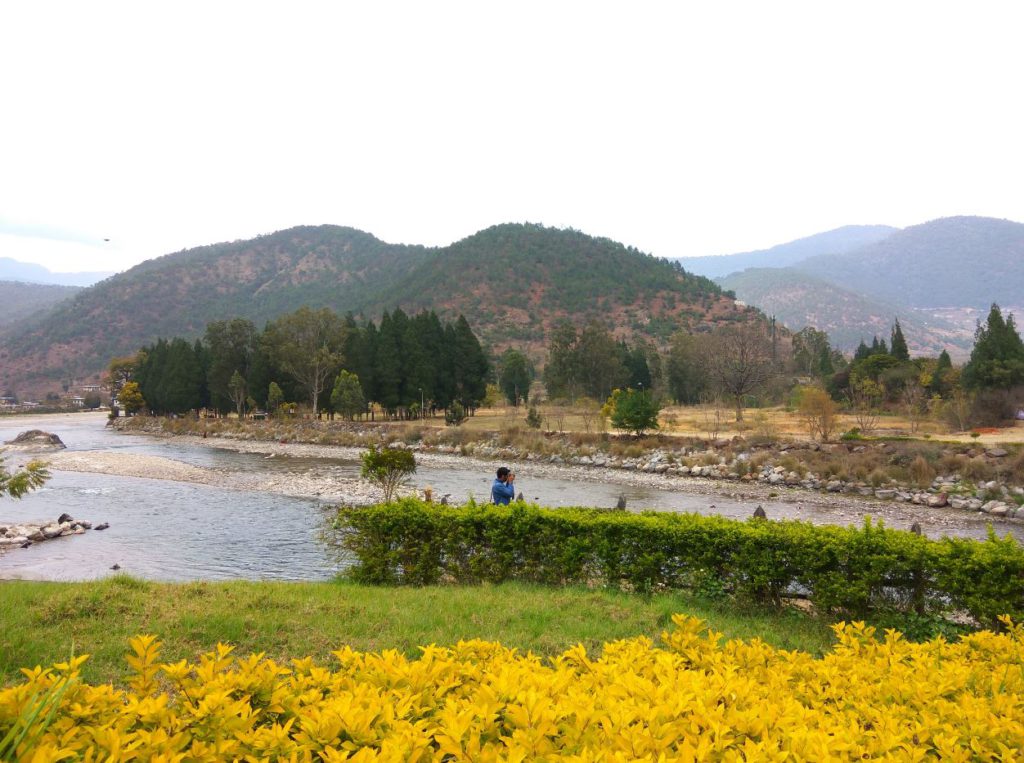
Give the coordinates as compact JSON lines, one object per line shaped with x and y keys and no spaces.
{"x":863,"y":351}
{"x":997,"y":360}
{"x":898,"y":347}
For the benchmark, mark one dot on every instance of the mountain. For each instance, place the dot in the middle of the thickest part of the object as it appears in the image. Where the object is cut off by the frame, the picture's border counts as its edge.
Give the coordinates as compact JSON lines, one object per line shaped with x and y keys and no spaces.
{"x":945,"y":263}
{"x":838,"y":241}
{"x":513,"y":282}
{"x":29,"y":272}
{"x":799,"y":300}
{"x":22,"y":300}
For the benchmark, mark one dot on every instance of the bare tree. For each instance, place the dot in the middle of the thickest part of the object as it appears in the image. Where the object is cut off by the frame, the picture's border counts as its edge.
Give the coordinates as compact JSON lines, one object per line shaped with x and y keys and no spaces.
{"x":739,"y":361}
{"x":864,"y":398}
{"x":913,"y":399}
{"x":712,"y":415}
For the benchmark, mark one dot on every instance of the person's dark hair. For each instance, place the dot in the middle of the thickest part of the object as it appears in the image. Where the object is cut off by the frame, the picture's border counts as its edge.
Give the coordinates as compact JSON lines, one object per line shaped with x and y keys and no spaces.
{"x":503,"y":472}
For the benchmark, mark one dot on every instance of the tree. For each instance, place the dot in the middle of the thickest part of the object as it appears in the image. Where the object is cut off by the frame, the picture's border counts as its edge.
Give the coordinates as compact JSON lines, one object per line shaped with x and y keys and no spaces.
{"x":997,"y":360}
{"x":738,"y":360}
{"x":865,"y":395}
{"x":600,"y":363}
{"x":818,"y":410}
{"x":275,"y":397}
{"x":470,"y":366}
{"x":238,"y":392}
{"x":561,"y":376}
{"x":16,"y":484}
{"x":898,"y":345}
{"x":92,"y":400}
{"x":516,"y":374}
{"x":388,"y":468}
{"x":455,"y":414}
{"x":633,"y":410}
{"x":347,"y":396}
{"x":687,"y":376}
{"x":232,"y":347}
{"x":131,"y":398}
{"x":307,"y":345}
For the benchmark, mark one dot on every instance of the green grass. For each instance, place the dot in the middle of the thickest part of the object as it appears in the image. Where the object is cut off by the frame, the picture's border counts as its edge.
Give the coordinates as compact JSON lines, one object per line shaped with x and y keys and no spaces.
{"x":47,"y":622}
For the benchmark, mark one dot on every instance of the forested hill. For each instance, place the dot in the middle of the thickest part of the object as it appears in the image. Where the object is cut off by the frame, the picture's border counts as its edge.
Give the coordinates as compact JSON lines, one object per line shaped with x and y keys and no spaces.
{"x":21,"y":300}
{"x":512,"y":282}
{"x":515,"y":282}
{"x":950,"y":262}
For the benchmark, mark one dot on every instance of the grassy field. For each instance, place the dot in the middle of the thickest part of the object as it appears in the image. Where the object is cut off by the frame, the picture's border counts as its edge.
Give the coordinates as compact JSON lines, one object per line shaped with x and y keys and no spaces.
{"x":771,"y":423}
{"x":47,"y":622}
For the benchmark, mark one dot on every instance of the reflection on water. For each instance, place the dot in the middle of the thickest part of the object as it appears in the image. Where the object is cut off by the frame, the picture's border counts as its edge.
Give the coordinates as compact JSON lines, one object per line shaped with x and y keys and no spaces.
{"x":177,"y":531}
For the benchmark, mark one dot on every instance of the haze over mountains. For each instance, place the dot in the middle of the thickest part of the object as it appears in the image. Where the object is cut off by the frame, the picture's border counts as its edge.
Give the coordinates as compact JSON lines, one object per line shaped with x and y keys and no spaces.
{"x":29,"y":272}
{"x":513,"y":282}
{"x":937,"y":277}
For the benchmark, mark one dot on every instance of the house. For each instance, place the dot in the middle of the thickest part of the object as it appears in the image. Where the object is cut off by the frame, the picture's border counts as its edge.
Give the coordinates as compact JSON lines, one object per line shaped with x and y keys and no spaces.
{"x":77,"y":402}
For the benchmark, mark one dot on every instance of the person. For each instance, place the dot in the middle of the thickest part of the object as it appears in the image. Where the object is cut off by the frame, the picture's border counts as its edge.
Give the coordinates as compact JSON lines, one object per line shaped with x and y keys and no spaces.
{"x":502,"y":491}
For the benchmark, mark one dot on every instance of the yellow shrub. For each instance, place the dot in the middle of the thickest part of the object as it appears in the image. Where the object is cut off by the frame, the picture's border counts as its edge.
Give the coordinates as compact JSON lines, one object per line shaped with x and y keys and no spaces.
{"x":692,"y":699}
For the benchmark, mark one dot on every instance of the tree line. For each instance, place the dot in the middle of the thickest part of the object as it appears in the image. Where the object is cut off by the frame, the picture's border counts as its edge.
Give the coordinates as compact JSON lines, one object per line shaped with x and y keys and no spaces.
{"x":336,"y":365}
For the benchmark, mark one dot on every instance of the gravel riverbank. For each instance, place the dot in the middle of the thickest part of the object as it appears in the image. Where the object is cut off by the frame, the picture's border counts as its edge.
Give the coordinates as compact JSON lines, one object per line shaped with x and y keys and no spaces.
{"x":801,"y":503}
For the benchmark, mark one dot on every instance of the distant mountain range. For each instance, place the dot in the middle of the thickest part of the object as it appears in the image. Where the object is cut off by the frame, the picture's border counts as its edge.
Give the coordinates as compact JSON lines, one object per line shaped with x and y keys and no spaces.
{"x":29,"y":272}
{"x":937,"y":277}
{"x":22,"y":300}
{"x":513,"y":283}
{"x":845,"y":239}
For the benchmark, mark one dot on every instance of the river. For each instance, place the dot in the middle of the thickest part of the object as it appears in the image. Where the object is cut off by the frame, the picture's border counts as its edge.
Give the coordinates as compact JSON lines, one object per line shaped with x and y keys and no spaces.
{"x":172,"y":530}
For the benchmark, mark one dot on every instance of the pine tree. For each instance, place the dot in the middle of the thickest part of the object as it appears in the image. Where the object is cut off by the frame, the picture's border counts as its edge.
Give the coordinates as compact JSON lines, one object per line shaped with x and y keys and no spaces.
{"x":863,"y":351}
{"x":898,"y":347}
{"x":997,"y":360}
{"x":515,"y":377}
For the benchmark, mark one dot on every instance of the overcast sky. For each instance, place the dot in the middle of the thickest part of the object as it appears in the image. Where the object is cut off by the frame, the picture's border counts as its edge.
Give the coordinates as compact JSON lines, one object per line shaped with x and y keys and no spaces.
{"x":679,"y":128}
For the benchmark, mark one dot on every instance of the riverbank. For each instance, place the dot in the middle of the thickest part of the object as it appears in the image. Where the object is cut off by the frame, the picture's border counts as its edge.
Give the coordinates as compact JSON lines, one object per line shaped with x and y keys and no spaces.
{"x":47,"y":622}
{"x":854,"y":477}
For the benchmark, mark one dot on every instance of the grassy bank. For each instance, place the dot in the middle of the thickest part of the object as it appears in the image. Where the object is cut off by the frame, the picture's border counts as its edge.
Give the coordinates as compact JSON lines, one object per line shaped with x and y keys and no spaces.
{"x":47,"y":622}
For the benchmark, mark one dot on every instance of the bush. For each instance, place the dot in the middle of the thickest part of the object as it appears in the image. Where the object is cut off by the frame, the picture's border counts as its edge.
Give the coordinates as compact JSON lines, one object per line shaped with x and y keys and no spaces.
{"x":533,"y":418}
{"x":388,"y":467}
{"x":455,"y":415}
{"x":844,"y":570}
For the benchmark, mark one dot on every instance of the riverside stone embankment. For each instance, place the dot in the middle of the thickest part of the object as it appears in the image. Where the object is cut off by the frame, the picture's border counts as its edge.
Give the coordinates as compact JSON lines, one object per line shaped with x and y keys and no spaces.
{"x":23,"y":535}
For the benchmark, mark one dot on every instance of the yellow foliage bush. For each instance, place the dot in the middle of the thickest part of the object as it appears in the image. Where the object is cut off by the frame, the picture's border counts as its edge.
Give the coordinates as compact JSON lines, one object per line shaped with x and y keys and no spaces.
{"x":692,"y":699}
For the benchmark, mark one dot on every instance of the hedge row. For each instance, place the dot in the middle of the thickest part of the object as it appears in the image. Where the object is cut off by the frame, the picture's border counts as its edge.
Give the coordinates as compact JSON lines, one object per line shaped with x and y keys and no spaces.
{"x":840,"y":569}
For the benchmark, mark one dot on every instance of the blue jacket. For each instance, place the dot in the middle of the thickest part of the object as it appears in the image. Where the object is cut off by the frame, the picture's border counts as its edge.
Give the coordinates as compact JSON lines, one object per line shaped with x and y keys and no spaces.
{"x":502,"y":493}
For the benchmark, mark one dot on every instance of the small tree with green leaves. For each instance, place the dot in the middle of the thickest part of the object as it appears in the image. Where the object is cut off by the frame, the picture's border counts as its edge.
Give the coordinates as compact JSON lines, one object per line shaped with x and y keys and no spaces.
{"x":275,"y":399}
{"x":238,"y":392}
{"x":131,"y":398}
{"x":634,"y":411}
{"x":92,"y":400}
{"x":347,"y":396}
{"x":455,"y":414}
{"x":533,"y":418}
{"x":389,"y":468}
{"x":16,"y":484}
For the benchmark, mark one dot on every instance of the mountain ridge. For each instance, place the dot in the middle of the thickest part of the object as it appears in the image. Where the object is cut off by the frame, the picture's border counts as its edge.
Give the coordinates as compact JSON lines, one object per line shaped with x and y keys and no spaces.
{"x":513,"y":281}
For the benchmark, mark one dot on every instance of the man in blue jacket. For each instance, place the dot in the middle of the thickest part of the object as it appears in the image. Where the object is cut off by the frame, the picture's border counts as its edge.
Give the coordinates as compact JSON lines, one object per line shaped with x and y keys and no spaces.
{"x":503,"y":491}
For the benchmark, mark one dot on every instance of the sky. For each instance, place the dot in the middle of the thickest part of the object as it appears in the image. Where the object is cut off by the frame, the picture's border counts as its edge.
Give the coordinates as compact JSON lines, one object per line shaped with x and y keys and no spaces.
{"x":131,"y":130}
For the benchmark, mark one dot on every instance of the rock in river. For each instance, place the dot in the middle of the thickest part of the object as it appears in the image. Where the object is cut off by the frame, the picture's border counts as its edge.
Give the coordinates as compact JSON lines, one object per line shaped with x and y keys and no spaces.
{"x":36,"y":438}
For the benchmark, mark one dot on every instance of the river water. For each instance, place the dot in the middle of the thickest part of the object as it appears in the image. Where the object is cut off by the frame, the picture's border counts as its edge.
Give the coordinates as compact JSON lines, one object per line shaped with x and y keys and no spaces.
{"x":166,"y":530}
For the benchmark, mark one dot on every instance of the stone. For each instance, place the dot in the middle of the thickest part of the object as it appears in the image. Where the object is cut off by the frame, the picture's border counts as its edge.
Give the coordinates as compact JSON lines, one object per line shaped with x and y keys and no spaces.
{"x":959,"y":503}
{"x":916,"y":528}
{"x":37,"y":438}
{"x":999,"y":510}
{"x":834,"y":486}
{"x":775,"y":478}
{"x":886,"y":494}
{"x":621,"y":503}
{"x":65,"y":518}
{"x":759,"y":513}
{"x":105,"y":525}
{"x":938,"y":501}
{"x":996,"y":452}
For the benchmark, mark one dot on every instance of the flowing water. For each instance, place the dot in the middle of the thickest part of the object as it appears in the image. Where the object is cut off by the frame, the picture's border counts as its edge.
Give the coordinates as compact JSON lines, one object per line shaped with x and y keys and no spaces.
{"x":164,"y":530}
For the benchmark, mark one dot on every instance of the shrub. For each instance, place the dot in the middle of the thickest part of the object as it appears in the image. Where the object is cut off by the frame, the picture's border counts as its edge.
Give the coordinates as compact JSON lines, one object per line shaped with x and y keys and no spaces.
{"x":388,"y":468}
{"x":921,"y":472}
{"x":533,"y":418}
{"x":848,"y":570}
{"x":692,"y":698}
{"x":455,"y":414}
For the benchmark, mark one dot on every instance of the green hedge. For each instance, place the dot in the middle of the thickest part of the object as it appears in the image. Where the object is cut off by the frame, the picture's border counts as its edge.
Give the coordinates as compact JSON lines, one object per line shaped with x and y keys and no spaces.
{"x":840,"y":569}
